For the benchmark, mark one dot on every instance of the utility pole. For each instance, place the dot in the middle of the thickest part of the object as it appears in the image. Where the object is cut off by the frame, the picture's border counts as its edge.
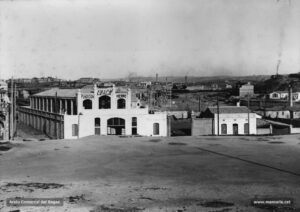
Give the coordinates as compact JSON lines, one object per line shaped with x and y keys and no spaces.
{"x":218,"y":113}
{"x":55,"y":114}
{"x":199,"y":103}
{"x":15,"y":107}
{"x":248,"y":114}
{"x":12,"y":110}
{"x":171,"y":95}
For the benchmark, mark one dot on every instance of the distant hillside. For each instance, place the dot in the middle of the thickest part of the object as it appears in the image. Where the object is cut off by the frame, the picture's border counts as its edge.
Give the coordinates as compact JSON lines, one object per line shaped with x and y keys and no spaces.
{"x":195,"y":79}
{"x":279,"y":83}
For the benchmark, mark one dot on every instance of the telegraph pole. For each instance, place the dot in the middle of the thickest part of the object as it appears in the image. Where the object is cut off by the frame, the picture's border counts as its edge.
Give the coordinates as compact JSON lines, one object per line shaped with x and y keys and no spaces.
{"x":15,"y":107}
{"x":218,"y":111}
{"x":199,"y":103}
{"x":12,"y":109}
{"x":55,"y":114}
{"x":248,"y":114}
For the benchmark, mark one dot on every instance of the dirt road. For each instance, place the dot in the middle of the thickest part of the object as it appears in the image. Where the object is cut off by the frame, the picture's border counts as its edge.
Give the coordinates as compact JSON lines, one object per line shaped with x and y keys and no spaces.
{"x":152,"y":174}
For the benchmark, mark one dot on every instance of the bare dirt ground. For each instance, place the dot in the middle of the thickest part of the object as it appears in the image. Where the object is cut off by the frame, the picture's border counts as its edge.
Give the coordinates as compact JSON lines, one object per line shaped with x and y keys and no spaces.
{"x":103,"y":173}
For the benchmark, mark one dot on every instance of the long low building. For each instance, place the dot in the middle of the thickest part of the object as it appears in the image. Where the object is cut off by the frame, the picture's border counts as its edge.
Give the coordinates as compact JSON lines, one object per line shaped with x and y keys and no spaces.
{"x":75,"y":113}
{"x":225,"y":120}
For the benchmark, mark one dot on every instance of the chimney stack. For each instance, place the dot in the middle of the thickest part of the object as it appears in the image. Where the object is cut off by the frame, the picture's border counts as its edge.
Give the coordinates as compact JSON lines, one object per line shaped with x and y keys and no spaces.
{"x":156,"y":77}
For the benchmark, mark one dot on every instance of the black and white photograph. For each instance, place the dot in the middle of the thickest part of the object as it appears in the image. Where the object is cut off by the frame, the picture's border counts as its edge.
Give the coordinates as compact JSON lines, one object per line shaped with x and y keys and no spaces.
{"x":149,"y":105}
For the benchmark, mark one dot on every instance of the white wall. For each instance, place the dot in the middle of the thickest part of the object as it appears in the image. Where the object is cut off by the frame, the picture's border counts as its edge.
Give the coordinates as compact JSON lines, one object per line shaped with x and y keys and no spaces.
{"x":145,"y":124}
{"x":235,"y":118}
{"x":295,"y":130}
{"x":145,"y":120}
{"x":284,"y":114}
{"x":68,"y":121}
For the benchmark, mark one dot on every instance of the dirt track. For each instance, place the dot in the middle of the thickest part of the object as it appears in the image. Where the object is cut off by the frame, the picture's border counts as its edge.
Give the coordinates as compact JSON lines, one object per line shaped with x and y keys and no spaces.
{"x":152,"y":174}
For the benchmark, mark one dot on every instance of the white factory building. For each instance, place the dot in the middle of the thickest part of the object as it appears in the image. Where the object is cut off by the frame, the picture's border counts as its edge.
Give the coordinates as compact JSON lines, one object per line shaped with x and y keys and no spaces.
{"x":246,"y":90}
{"x":74,"y":113}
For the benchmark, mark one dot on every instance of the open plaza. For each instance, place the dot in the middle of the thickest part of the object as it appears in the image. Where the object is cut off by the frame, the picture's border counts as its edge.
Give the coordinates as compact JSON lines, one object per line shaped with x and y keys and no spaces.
{"x":112,"y":173}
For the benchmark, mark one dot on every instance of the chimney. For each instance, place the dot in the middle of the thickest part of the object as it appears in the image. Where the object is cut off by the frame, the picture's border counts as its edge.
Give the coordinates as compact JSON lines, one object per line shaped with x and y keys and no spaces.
{"x":290,"y":96}
{"x":238,"y":104}
{"x":156,"y":77}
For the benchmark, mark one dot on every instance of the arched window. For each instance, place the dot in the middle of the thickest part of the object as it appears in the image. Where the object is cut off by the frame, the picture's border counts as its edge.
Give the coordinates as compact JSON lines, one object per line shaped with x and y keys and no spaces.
{"x":224,"y":129}
{"x":156,"y":129}
{"x":104,"y":102}
{"x":87,"y":104}
{"x":121,"y":103}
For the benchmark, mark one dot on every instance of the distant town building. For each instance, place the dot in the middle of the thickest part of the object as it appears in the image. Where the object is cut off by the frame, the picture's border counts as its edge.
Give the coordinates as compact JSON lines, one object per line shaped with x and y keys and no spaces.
{"x":73,"y":113}
{"x":246,"y":90}
{"x":24,"y":94}
{"x":229,"y":120}
{"x":88,"y":80}
{"x":197,"y":87}
{"x":228,"y":86}
{"x":145,"y":84}
{"x":283,"y":95}
{"x":4,"y":111}
{"x":282,"y":112}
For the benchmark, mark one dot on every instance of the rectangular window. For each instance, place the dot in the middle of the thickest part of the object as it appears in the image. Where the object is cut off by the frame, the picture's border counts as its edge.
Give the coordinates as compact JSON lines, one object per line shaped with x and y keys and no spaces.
{"x":134,"y":126}
{"x":134,"y":121}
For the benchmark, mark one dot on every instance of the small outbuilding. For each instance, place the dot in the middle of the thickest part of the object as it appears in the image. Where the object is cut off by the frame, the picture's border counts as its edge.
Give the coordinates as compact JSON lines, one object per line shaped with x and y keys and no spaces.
{"x":225,"y":120}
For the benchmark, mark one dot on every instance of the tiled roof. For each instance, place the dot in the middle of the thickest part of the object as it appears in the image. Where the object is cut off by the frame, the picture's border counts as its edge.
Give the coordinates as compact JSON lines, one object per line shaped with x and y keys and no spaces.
{"x":229,"y":109}
{"x":60,"y":93}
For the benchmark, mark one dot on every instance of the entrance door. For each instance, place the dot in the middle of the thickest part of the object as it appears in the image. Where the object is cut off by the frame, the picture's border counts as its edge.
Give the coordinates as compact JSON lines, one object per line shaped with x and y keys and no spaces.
{"x":116,"y":126}
{"x":97,"y":126}
{"x":235,"y":128}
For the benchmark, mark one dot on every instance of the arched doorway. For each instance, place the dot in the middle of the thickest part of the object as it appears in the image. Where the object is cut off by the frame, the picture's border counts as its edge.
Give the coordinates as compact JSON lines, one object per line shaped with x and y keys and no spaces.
{"x":246,"y":128}
{"x":116,"y":126}
{"x":224,"y":129}
{"x":235,"y":129}
{"x":156,"y":129}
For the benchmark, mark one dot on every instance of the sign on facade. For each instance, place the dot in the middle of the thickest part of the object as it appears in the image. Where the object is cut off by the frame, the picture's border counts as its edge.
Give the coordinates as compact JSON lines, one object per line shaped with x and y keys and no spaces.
{"x":104,"y":92}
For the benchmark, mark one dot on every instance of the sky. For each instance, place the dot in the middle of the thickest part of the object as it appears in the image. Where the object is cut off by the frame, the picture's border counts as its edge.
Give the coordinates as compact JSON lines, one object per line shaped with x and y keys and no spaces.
{"x":70,"y":39}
